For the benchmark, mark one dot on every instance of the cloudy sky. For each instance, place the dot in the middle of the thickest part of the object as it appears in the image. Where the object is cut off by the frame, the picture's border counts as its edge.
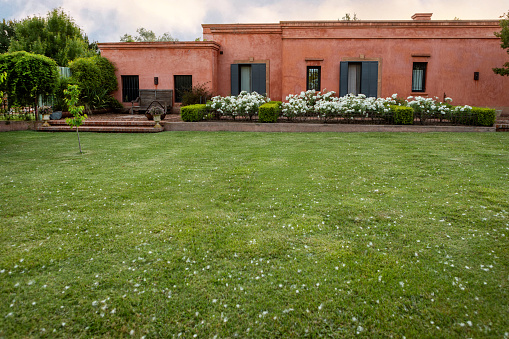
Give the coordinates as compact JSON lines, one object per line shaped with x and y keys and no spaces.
{"x":108,"y":20}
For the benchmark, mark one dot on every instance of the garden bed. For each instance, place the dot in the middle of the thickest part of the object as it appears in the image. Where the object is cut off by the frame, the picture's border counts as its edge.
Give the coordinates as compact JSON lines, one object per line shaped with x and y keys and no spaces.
{"x":318,"y":107}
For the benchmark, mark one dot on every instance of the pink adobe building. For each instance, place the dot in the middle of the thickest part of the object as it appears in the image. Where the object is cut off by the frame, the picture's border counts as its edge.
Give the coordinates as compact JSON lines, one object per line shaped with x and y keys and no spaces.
{"x":377,"y":58}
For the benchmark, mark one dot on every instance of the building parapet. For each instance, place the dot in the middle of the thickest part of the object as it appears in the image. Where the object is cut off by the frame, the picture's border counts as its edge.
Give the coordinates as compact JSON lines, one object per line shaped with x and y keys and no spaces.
{"x":161,"y":44}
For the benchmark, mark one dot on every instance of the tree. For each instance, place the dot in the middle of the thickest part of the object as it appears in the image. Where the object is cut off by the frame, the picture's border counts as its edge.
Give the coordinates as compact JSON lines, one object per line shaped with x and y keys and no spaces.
{"x":7,"y":32}
{"x":3,"y":76}
{"x":145,"y":35}
{"x":504,"y":36}
{"x":28,"y":76}
{"x":56,"y":37}
{"x":72,"y":94}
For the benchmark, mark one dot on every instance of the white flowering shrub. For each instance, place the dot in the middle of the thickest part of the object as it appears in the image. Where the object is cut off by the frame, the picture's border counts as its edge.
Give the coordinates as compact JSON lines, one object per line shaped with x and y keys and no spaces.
{"x":244,"y":104}
{"x":327,"y":106}
{"x":429,"y":106}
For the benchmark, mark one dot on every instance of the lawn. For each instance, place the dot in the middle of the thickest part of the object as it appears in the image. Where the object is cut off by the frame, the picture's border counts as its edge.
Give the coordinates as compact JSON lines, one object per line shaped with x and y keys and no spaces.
{"x":189,"y":234}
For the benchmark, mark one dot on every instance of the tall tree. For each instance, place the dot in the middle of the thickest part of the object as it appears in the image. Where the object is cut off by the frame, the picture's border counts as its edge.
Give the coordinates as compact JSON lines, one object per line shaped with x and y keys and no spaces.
{"x":6,"y":34}
{"x":504,"y":36}
{"x":145,"y":35}
{"x":57,"y":37}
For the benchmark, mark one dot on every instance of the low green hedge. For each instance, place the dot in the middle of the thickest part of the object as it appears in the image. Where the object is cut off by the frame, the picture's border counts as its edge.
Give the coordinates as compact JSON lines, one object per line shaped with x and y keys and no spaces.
{"x":270,"y":111}
{"x":193,"y":113}
{"x":402,"y":115}
{"x":484,"y":116}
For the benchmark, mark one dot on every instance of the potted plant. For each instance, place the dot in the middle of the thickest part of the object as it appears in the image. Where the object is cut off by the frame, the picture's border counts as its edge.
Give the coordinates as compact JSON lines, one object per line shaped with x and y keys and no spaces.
{"x":156,"y":112}
{"x":149,"y":115}
{"x":46,"y":112}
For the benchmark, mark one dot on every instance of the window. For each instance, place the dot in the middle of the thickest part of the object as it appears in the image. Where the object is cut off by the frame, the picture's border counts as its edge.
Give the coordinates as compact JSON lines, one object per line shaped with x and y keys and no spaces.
{"x":130,"y":87}
{"x":313,"y":78}
{"x":354,"y":78}
{"x":182,"y":83}
{"x":358,"y":78}
{"x":245,"y":78}
{"x":249,"y":78}
{"x":419,"y":77}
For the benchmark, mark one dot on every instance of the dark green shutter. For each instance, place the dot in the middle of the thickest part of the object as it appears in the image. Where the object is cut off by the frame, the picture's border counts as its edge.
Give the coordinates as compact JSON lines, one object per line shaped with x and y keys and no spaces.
{"x":258,"y":78}
{"x":369,"y":78}
{"x":235,"y":79}
{"x":343,"y":78}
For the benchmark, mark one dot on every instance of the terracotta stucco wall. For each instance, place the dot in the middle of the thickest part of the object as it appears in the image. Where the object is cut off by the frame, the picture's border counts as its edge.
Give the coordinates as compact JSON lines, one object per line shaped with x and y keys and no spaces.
{"x":453,"y":55}
{"x":453,"y":50}
{"x":163,"y":60}
{"x":248,"y":44}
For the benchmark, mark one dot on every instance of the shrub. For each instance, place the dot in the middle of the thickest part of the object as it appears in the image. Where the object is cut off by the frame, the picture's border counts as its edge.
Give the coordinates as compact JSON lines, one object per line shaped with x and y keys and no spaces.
{"x":244,"y":104}
{"x":199,"y":94}
{"x":96,"y":77}
{"x":270,"y":111}
{"x":193,"y":113}
{"x":485,"y":116}
{"x":402,"y":115}
{"x":462,"y":115}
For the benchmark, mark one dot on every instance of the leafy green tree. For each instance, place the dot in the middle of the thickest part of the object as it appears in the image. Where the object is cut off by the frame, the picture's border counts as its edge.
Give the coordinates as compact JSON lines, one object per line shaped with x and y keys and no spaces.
{"x":72,"y":94}
{"x":7,"y":32}
{"x":504,"y":36}
{"x":145,"y":35}
{"x":3,"y":76}
{"x":28,"y":76}
{"x":57,"y":37}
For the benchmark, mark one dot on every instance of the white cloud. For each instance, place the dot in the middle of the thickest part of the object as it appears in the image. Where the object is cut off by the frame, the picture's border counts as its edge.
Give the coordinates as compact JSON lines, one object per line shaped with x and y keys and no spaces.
{"x":113,"y":19}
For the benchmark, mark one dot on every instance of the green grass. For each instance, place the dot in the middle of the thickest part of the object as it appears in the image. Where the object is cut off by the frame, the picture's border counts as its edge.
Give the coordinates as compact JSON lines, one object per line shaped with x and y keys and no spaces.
{"x":254,"y":235}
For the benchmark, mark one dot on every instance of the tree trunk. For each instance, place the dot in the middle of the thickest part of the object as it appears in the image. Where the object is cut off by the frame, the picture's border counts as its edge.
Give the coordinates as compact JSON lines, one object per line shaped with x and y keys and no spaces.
{"x":79,"y":142}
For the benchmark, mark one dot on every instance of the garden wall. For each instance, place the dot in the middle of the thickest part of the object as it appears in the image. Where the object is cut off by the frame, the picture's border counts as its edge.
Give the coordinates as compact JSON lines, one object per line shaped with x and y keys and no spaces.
{"x":7,"y":126}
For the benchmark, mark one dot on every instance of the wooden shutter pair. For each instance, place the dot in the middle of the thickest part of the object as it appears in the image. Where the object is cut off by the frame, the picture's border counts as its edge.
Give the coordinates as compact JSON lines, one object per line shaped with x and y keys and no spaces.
{"x":369,"y":78}
{"x":258,"y":78}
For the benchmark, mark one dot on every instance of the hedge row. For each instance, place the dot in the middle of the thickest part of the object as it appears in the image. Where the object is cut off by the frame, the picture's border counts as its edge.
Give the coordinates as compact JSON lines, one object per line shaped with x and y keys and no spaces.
{"x":485,"y":116}
{"x":270,"y":111}
{"x":401,"y":115}
{"x":193,"y":113}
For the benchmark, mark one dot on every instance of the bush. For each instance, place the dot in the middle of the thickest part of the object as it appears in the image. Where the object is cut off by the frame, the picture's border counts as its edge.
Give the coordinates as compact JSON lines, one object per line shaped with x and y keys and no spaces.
{"x":270,"y":111}
{"x":199,"y":94}
{"x":242,"y":105}
{"x":193,"y":113}
{"x":485,"y":116}
{"x":402,"y":115}
{"x":96,"y":77}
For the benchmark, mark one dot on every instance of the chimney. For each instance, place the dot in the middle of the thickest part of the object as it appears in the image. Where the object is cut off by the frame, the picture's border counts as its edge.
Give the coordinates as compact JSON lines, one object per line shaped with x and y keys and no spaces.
{"x":422,"y":16}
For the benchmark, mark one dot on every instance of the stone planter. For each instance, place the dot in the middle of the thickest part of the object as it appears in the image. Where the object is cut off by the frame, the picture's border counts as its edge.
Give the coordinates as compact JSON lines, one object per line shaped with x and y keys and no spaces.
{"x":46,"y":118}
{"x":157,"y":119}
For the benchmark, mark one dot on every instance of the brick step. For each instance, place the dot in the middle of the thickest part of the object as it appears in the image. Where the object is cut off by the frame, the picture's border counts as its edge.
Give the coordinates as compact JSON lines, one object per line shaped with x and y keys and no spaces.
{"x":502,"y":127}
{"x":129,"y":123}
{"x":103,"y":129}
